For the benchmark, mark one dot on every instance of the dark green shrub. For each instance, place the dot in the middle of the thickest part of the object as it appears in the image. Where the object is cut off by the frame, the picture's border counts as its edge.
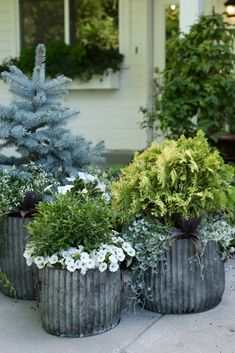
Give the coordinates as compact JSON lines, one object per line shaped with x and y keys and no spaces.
{"x":78,"y":61}
{"x":198,"y":82}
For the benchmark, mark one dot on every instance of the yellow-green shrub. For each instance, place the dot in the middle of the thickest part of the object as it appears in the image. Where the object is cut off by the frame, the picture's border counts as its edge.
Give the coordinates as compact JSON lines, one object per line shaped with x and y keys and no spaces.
{"x":182,"y":177}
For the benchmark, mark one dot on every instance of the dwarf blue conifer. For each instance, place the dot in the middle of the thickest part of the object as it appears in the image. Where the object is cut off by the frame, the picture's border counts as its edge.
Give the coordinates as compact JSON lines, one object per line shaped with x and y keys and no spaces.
{"x":34,"y":123}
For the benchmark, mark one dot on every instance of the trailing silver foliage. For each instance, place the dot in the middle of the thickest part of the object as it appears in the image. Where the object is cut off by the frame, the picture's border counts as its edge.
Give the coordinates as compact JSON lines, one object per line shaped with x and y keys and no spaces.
{"x":152,"y":240}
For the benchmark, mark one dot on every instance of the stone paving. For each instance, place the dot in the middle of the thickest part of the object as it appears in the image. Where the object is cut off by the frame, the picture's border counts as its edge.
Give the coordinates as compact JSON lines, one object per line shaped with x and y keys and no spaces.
{"x":139,"y":332}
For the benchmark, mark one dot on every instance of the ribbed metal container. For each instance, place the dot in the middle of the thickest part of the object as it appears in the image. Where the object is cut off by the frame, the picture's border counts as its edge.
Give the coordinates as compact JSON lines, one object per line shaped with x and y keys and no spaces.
{"x":76,"y":305}
{"x":13,"y":238}
{"x":183,"y":287}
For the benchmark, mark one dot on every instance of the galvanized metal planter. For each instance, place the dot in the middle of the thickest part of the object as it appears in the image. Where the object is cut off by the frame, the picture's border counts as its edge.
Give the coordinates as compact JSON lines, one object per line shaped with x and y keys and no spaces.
{"x":183,"y":287}
{"x":13,"y":238}
{"x":76,"y":305}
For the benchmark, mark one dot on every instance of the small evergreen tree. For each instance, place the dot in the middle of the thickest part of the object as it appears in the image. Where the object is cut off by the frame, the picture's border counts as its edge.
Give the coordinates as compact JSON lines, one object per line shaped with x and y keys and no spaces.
{"x":34,"y":124}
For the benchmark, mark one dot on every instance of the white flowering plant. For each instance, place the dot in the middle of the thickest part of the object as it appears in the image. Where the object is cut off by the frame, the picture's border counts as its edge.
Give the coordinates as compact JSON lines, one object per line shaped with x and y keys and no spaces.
{"x":20,"y":190}
{"x":106,"y":257}
{"x":82,"y":183}
{"x":75,"y":232}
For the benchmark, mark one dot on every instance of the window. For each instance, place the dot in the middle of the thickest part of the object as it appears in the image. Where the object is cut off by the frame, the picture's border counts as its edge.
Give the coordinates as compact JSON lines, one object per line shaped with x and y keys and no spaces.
{"x":78,"y":21}
{"x":42,"y":21}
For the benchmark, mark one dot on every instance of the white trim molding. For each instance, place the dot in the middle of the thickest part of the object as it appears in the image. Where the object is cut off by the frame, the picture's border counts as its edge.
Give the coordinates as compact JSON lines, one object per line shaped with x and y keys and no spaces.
{"x":66,"y":22}
{"x":108,"y":81}
{"x":124,"y":30}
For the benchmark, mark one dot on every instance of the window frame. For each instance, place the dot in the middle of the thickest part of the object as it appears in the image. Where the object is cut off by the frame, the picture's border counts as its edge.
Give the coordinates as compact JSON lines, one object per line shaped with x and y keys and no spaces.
{"x":67,"y":34}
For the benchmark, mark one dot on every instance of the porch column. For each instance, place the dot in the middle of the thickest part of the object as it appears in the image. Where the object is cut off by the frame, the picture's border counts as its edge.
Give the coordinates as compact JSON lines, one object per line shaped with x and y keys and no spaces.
{"x":190,"y":10}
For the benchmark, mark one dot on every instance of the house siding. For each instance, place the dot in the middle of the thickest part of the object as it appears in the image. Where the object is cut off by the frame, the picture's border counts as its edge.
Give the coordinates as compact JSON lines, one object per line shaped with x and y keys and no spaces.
{"x":110,"y":115}
{"x":8,"y":29}
{"x":218,"y":5}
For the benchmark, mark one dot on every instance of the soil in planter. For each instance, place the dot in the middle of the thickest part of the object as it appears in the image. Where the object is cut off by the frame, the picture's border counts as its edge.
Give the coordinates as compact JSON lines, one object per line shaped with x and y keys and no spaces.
{"x":185,"y":286}
{"x":13,"y":239}
{"x":76,"y":305}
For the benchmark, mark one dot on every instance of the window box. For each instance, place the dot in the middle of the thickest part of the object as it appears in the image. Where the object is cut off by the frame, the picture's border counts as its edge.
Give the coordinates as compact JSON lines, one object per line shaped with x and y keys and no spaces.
{"x":109,"y":80}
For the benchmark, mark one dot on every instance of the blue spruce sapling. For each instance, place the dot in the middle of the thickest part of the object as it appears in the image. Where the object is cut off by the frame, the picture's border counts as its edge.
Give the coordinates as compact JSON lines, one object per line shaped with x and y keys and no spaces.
{"x":34,"y":124}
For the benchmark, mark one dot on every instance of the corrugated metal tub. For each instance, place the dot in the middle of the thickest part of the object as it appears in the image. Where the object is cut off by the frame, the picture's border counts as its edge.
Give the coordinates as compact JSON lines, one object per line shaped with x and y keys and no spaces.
{"x":183,"y":286}
{"x":13,"y":239}
{"x":76,"y":305}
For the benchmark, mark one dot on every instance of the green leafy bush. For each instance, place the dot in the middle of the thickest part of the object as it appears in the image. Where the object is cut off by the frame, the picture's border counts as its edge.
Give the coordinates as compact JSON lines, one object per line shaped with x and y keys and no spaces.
{"x":97,"y":22}
{"x":203,"y":86}
{"x":78,"y":61}
{"x":183,"y":177}
{"x":69,"y":221}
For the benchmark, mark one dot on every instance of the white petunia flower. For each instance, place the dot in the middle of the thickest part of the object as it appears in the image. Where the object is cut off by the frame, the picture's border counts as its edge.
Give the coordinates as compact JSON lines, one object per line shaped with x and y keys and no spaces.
{"x":126,"y":246}
{"x":64,"y":253}
{"x":64,"y":189}
{"x":90,"y":264}
{"x":113,"y":259}
{"x":61,"y":261}
{"x":121,"y":257}
{"x":90,"y":177}
{"x":69,"y":261}
{"x":83,"y":271}
{"x":27,"y":254}
{"x":86,"y":177}
{"x":71,"y":267}
{"x":53,"y":259}
{"x":103,"y":267}
{"x":111,"y":251}
{"x":103,"y":251}
{"x":82,"y":175}
{"x":46,"y":259}
{"x":84,"y":191}
{"x":39,"y":261}
{"x":102,"y":187}
{"x":83,"y":265}
{"x":84,"y":257}
{"x":29,"y":261}
{"x":49,"y":265}
{"x":113,"y":267}
{"x":131,"y":252}
{"x":119,"y":251}
{"x":73,"y":251}
{"x":78,"y":264}
{"x":116,"y":240}
{"x":100,"y":258}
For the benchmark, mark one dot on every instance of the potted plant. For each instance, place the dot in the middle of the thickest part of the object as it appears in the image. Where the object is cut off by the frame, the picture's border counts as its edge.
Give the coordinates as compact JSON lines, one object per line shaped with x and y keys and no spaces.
{"x":175,"y":199}
{"x":78,"y":255}
{"x":199,"y":94}
{"x":19,"y":195}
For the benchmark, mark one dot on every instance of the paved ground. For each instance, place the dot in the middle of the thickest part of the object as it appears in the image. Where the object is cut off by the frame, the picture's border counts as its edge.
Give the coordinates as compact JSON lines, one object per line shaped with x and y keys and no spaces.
{"x":140,"y":332}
